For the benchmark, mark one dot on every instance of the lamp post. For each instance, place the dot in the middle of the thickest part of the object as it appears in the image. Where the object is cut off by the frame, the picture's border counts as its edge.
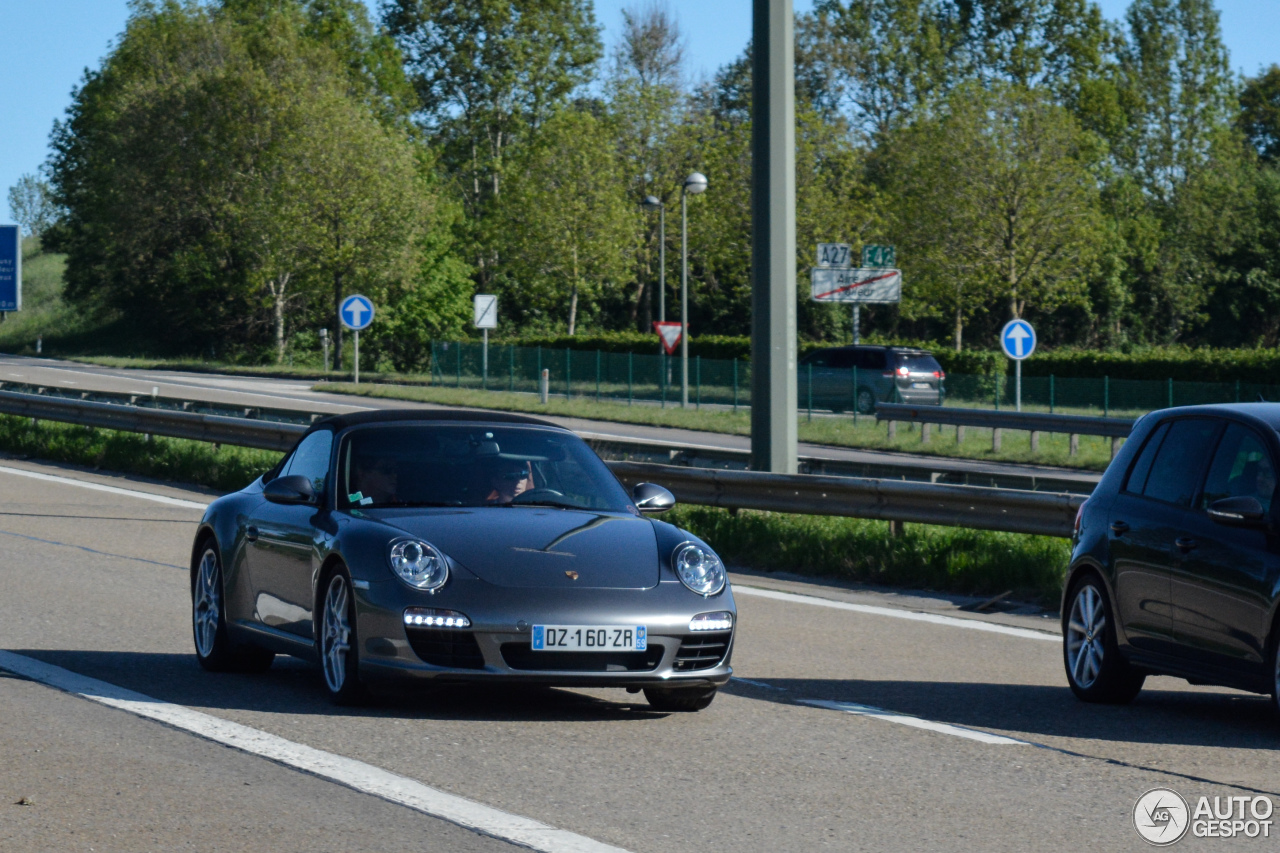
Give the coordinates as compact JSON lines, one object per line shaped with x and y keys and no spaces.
{"x":693,"y":185}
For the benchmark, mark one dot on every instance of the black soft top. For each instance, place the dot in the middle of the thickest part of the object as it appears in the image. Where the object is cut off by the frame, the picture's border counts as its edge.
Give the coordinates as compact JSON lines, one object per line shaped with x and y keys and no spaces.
{"x":381,"y":416}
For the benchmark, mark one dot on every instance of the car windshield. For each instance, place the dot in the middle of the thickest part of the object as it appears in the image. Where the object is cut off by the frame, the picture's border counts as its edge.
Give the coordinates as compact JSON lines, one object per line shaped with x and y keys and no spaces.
{"x":469,"y":466}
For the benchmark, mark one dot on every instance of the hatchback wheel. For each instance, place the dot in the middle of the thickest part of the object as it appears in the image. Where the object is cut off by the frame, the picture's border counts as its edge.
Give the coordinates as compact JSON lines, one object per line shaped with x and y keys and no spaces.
{"x":214,"y":649}
{"x":1095,"y":669}
{"x":338,"y":647}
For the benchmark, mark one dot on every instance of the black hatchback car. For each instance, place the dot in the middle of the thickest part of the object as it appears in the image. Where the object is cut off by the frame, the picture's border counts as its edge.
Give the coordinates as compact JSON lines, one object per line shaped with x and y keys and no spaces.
{"x":884,"y":375}
{"x":1176,"y":564}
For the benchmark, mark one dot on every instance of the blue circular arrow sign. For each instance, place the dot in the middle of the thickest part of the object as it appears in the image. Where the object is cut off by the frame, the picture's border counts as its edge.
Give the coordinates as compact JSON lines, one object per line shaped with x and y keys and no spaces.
{"x":1018,"y":339}
{"x":356,"y":312}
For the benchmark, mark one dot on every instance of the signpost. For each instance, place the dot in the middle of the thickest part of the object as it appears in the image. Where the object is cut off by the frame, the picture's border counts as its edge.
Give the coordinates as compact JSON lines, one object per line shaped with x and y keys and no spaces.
{"x":10,"y":269}
{"x":669,"y":335}
{"x":356,"y":313}
{"x":835,"y":280}
{"x":486,"y":317}
{"x":1018,"y":340}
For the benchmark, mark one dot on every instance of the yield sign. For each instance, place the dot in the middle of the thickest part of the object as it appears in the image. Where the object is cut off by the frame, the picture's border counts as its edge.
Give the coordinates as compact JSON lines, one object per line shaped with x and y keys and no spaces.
{"x":669,"y":334}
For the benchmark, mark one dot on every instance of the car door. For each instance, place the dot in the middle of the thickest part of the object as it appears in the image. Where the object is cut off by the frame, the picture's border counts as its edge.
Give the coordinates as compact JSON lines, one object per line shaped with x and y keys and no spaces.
{"x":282,"y":544}
{"x":814,"y":377}
{"x":1146,"y":518}
{"x":1222,"y":576}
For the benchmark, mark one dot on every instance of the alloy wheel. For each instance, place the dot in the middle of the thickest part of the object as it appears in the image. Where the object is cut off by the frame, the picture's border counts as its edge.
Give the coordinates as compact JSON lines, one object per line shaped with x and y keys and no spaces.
{"x":207,"y":607}
{"x":1085,"y":636}
{"x":335,"y":634}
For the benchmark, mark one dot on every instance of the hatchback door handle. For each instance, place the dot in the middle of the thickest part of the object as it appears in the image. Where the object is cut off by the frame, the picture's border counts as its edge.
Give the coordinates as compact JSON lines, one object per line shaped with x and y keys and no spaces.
{"x":1119,"y":528}
{"x":1185,"y":545}
{"x":251,"y":533}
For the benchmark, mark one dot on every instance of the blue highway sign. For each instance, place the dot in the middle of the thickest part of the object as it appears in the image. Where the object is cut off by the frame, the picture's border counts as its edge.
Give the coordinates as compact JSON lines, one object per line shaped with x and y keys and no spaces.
{"x":1018,"y":339}
{"x":10,"y":268}
{"x":356,"y":312}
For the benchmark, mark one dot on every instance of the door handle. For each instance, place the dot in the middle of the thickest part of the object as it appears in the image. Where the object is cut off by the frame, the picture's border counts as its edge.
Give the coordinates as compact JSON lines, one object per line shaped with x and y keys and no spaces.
{"x":1185,"y":545}
{"x":1119,"y":528}
{"x":251,"y":533}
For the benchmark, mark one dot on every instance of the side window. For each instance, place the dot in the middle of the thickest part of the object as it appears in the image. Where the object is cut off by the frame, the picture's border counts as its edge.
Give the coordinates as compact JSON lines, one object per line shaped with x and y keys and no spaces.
{"x":842,"y":359}
{"x":1241,"y":467}
{"x":871,"y":359}
{"x":818,"y":360}
{"x":1180,"y":462}
{"x":1138,"y":476}
{"x":311,"y":459}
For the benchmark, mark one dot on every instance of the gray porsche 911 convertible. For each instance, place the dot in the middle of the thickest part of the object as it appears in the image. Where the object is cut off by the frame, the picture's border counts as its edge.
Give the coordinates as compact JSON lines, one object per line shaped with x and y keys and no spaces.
{"x":459,"y":546}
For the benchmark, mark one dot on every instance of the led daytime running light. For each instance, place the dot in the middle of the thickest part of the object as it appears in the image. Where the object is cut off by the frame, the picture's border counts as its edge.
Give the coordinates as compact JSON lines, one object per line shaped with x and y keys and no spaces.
{"x":431,"y":617}
{"x":721,"y":620}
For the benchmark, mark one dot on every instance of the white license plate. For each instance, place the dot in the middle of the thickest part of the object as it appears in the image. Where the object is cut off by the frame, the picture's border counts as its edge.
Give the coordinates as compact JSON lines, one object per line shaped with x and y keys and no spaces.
{"x":589,"y":638}
{"x":921,"y":385}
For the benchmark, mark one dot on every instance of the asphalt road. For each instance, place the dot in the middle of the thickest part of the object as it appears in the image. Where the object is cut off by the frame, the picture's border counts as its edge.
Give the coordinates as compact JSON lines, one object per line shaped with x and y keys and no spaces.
{"x":289,"y":393}
{"x":972,"y":740}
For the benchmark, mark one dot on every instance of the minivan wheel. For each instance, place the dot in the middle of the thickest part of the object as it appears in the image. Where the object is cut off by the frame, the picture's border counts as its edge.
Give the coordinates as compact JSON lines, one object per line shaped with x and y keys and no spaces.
{"x":866,"y":402}
{"x":1095,"y":669}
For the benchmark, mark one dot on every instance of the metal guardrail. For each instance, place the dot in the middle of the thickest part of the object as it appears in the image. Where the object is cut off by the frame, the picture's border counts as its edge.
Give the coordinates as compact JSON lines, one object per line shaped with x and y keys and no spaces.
{"x":1010,"y":510}
{"x":1029,"y":421}
{"x":245,"y":432}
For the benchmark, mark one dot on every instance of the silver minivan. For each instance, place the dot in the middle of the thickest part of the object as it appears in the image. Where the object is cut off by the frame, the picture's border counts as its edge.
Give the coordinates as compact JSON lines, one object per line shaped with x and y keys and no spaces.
{"x":884,"y":375}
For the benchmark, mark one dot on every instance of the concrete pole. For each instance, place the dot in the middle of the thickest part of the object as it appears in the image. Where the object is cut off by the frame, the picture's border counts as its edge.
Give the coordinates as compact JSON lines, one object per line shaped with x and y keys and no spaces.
{"x":773,"y":240}
{"x":684,"y":298}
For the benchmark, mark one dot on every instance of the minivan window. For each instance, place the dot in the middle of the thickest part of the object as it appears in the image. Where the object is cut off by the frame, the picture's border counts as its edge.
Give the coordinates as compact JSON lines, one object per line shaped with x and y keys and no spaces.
{"x":919,"y":363}
{"x":872,"y":359}
{"x":1241,"y":468}
{"x":1180,"y":461}
{"x":842,"y":359}
{"x":1141,"y":468}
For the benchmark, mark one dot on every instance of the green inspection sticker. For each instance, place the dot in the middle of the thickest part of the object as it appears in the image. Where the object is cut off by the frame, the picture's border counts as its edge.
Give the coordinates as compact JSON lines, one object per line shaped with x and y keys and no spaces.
{"x":355,"y":497}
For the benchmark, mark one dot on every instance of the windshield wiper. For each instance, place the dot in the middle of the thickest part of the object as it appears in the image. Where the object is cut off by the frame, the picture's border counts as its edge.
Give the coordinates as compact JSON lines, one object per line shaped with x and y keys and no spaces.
{"x":543,"y":502}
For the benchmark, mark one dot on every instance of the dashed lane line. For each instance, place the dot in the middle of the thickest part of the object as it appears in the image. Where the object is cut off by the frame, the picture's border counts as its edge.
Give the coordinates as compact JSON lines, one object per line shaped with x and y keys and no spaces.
{"x":357,"y":775}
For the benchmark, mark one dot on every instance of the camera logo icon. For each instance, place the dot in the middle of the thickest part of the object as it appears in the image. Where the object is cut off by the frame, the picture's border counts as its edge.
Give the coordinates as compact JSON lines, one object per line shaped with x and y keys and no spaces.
{"x":1161,"y":816}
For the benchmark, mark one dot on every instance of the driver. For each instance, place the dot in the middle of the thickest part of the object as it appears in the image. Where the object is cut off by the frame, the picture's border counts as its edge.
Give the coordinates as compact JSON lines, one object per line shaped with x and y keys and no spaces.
{"x":507,"y":481}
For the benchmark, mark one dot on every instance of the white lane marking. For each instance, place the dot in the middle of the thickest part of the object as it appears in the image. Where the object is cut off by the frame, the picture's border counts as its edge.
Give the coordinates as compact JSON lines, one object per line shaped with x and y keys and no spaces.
{"x":913,"y":722}
{"x":98,"y":487}
{"x":758,"y":683}
{"x":913,"y":615}
{"x":345,"y":771}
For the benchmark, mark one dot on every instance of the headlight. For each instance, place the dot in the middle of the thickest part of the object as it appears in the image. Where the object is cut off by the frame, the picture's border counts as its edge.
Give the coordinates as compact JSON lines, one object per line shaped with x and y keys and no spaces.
{"x":698,"y":568}
{"x":419,"y":564}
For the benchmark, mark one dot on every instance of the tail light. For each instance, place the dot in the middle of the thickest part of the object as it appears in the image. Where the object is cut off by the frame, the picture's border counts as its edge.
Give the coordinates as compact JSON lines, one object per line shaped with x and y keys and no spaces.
{"x":904,"y":371}
{"x":1075,"y":530}
{"x":938,"y":374}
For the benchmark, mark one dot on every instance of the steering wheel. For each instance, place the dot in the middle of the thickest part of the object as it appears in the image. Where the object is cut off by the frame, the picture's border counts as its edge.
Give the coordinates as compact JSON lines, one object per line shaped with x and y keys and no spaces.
{"x":536,"y":494}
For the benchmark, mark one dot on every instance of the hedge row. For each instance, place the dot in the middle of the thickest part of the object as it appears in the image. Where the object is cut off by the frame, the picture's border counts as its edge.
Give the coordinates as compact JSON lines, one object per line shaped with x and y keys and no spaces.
{"x":730,"y":347}
{"x":1181,"y":364}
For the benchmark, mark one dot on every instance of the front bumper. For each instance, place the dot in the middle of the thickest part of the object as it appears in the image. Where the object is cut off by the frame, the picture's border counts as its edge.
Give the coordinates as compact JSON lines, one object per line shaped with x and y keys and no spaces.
{"x":496,"y":647}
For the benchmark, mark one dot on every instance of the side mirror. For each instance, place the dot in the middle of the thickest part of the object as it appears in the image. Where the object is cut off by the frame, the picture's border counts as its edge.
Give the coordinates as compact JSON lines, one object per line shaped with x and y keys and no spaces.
{"x":294,"y":489}
{"x":1238,"y":512}
{"x":652,"y":498}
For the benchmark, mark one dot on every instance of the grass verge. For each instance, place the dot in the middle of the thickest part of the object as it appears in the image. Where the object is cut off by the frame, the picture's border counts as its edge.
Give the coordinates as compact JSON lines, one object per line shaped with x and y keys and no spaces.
{"x":1095,"y":452}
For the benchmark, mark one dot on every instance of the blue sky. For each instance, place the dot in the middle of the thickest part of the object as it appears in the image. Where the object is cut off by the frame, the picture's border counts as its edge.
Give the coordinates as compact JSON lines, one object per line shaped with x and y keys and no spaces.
{"x":49,"y":43}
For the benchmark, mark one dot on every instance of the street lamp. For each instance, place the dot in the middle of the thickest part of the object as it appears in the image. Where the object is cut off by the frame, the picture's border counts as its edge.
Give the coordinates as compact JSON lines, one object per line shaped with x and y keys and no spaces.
{"x":693,"y":185}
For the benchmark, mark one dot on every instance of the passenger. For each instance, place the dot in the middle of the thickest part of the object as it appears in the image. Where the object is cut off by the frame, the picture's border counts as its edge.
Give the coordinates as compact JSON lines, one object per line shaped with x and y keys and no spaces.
{"x":375,"y":479}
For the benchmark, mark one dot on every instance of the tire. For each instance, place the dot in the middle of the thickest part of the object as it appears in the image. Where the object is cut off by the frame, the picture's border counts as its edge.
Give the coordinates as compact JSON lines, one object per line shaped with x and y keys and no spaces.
{"x":1095,"y":669}
{"x":214,"y":649}
{"x":679,"y":700}
{"x":866,"y":401}
{"x":337,"y":642}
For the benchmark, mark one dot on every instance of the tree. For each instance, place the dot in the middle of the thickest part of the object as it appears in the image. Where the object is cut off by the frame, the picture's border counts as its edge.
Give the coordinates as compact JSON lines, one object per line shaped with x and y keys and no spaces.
{"x":566,"y":227}
{"x":1260,"y":113}
{"x":994,"y":201}
{"x":31,"y":205}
